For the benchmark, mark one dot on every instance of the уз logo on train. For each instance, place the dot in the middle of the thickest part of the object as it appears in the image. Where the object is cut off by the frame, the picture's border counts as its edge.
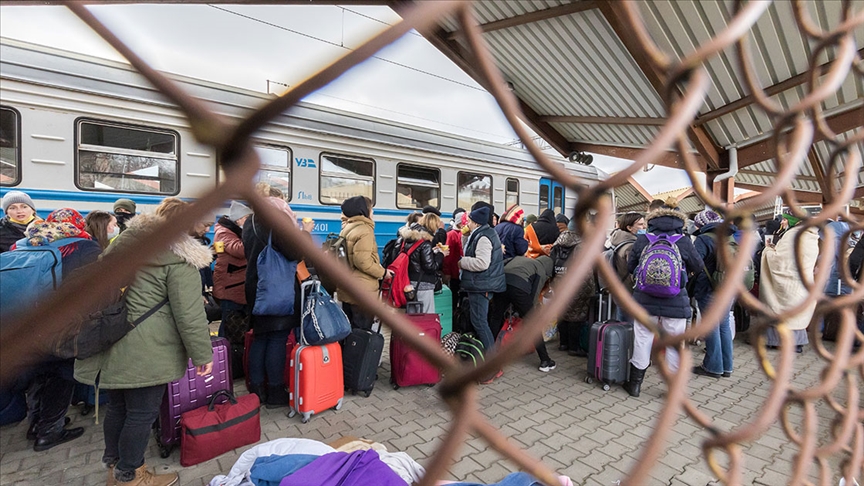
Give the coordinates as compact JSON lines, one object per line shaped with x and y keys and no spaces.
{"x":305,"y":163}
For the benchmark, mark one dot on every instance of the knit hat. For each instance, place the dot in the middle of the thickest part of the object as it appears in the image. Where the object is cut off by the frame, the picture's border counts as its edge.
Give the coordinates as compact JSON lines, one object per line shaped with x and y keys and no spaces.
{"x":16,"y":197}
{"x":355,"y":206}
{"x":60,"y":224}
{"x":457,"y":211}
{"x":530,"y":218}
{"x":480,"y":215}
{"x":560,"y":218}
{"x":513,"y":214}
{"x":127,"y":204}
{"x":431,"y":209}
{"x":237,"y":211}
{"x":793,"y":220}
{"x":707,"y":216}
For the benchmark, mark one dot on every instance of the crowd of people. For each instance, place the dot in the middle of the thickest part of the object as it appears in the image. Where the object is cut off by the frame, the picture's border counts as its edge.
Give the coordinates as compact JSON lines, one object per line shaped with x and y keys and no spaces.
{"x":494,"y":266}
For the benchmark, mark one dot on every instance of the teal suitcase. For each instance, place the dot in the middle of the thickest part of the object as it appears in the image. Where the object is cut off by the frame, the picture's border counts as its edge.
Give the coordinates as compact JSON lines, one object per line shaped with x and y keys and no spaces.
{"x":444,"y":308}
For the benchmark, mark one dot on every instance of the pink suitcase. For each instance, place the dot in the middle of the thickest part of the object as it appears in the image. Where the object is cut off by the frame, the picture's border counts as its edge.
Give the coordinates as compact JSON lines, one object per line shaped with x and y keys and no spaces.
{"x":407,"y":367}
{"x":190,"y":392}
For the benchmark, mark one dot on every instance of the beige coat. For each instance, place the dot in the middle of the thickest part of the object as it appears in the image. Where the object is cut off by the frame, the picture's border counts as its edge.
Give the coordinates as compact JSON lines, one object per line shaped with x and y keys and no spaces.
{"x":780,"y":286}
{"x":359,"y":233}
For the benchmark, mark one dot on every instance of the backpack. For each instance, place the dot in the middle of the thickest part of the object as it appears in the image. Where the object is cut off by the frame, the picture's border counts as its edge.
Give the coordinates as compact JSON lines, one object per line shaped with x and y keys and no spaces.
{"x":337,"y":246}
{"x":560,"y":254}
{"x":470,"y":349}
{"x":718,"y":276}
{"x":613,"y":257}
{"x":394,"y":291}
{"x":661,"y":269}
{"x":391,"y":251}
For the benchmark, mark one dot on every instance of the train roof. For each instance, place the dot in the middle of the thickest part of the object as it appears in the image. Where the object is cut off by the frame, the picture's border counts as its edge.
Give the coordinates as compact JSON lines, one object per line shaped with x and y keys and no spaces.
{"x":33,"y":63}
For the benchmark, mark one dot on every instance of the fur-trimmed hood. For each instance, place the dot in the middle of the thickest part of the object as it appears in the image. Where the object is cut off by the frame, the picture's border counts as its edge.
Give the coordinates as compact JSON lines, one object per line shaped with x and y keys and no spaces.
{"x":666,"y":212}
{"x":185,"y":248}
{"x":666,"y":221}
{"x":415,"y":232}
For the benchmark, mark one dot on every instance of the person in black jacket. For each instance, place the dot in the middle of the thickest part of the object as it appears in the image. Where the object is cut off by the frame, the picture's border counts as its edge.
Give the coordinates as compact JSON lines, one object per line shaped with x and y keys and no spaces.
{"x":267,"y":353}
{"x":439,"y":234}
{"x":19,"y":211}
{"x":670,"y":313}
{"x":425,"y":261}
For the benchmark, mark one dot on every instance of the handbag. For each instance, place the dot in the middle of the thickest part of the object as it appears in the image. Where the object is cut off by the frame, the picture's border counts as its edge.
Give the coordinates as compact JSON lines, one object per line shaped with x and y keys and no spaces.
{"x":213,"y":430}
{"x":323,"y":321}
{"x":275,"y":290}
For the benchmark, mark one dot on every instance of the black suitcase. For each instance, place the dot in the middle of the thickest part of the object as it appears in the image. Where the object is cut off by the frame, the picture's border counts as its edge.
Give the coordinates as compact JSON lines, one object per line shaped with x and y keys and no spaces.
{"x":610,"y":346}
{"x":361,"y":354}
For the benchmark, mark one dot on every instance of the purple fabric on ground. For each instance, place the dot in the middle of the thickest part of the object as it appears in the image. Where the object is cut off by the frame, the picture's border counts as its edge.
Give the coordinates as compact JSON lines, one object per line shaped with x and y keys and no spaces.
{"x":345,"y":469}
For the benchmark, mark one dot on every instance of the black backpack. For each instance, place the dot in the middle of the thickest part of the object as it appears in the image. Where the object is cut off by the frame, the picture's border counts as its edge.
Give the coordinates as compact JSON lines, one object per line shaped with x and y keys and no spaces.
{"x":391,"y":251}
{"x":337,"y":246}
{"x":560,"y":254}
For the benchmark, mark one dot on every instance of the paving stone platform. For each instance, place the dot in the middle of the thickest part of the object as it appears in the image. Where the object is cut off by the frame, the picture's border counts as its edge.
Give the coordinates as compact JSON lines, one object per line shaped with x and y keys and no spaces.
{"x":576,"y":428}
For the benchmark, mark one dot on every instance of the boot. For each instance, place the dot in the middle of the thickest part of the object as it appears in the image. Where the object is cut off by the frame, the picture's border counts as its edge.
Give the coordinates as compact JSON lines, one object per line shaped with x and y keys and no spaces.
{"x":143,"y":477}
{"x":57,"y":438}
{"x":634,"y":384}
{"x":277,"y":396}
{"x":31,"y":431}
{"x":259,"y":390}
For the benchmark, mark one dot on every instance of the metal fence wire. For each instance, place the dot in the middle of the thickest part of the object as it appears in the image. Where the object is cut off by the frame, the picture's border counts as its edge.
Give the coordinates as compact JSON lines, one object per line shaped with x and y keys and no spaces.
{"x":685,"y":90}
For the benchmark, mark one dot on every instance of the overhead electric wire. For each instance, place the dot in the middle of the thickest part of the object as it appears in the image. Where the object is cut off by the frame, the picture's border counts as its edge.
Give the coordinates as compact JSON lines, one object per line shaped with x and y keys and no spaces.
{"x":255,"y":19}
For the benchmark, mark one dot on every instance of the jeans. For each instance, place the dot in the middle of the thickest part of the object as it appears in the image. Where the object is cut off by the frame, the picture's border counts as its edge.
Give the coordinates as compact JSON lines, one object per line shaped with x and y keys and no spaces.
{"x":130,"y":416}
{"x":267,"y":358}
{"x":522,"y":304}
{"x":718,"y":343}
{"x":356,"y":316}
{"x":643,"y":339}
{"x":228,"y":306}
{"x":479,"y":303}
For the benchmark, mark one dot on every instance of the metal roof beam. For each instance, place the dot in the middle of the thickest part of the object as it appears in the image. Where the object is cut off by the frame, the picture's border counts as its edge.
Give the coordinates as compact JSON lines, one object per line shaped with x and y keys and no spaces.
{"x":545,"y":14}
{"x":668,"y":159}
{"x":813,"y":158}
{"x":803,"y":196}
{"x":614,"y":14}
{"x":222,"y":2}
{"x":644,"y":192}
{"x":774,"y":174}
{"x":604,"y":120}
{"x":839,"y":123}
{"x":770,"y":91}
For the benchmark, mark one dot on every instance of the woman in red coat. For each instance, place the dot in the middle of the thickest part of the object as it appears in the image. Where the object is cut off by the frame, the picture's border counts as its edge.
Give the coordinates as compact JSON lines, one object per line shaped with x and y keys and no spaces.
{"x":229,"y":276}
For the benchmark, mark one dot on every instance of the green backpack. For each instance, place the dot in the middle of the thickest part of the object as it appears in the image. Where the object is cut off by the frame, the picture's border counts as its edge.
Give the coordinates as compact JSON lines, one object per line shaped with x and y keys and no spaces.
{"x":717,"y":278}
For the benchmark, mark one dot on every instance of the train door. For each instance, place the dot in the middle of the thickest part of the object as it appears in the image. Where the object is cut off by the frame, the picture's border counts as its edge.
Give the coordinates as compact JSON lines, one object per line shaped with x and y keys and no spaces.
{"x":551,"y":196}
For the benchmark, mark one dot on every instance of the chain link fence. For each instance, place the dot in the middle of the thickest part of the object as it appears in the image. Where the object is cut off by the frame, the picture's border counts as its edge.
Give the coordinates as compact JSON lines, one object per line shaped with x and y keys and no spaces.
{"x":685,"y":91}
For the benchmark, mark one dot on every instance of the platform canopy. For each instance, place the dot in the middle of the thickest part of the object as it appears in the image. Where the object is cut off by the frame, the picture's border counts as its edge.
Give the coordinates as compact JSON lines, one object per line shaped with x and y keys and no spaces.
{"x":585,"y":83}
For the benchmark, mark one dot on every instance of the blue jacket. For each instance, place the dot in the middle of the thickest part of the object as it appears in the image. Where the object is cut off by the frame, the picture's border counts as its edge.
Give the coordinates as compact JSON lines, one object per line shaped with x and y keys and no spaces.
{"x":512,"y":236}
{"x":492,"y":279}
{"x":831,"y":288}
{"x":669,"y":222}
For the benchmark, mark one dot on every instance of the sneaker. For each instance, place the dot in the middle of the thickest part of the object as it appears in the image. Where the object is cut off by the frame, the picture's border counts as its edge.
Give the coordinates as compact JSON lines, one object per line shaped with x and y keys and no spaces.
{"x":547,"y":366}
{"x":494,"y":377}
{"x":698,"y":370}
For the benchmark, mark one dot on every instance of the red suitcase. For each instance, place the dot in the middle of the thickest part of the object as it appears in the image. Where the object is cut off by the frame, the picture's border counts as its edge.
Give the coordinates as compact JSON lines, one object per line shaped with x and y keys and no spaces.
{"x":315,"y":377}
{"x":407,"y":366}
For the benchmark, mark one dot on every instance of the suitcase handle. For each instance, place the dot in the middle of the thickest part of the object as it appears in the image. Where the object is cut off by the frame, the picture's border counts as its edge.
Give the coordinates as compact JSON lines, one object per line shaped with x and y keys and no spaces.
{"x":211,"y":404}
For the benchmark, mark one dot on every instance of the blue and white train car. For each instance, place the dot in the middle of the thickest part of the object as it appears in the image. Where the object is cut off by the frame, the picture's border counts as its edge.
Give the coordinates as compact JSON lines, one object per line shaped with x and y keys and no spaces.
{"x":81,"y":132}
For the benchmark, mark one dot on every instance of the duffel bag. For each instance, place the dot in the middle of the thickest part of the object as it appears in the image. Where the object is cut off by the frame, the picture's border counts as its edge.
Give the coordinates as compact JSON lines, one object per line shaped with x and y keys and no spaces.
{"x":210,"y":431}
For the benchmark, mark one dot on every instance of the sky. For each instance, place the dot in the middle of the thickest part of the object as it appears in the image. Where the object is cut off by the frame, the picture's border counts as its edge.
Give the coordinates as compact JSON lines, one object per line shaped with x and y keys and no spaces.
{"x":245,"y":46}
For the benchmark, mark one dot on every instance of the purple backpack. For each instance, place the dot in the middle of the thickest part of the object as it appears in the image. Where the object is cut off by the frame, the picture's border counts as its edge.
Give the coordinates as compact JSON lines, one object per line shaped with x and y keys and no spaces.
{"x":660,"y":271}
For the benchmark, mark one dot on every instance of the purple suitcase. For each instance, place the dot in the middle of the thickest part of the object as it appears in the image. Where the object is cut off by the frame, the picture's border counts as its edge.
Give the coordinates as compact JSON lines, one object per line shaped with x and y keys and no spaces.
{"x":190,"y":392}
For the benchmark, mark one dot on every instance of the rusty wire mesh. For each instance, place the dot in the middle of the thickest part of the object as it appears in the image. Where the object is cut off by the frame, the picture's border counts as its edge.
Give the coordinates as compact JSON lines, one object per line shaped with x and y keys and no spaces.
{"x":686,"y":86}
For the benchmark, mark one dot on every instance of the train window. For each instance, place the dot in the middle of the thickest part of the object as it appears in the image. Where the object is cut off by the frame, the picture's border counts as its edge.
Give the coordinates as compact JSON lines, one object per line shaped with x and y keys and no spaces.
{"x":124,"y":158}
{"x":558,"y":199}
{"x":275,"y":167}
{"x":10,"y":147}
{"x":472,"y":188}
{"x":511,"y":193}
{"x":344,"y":176}
{"x":417,"y":187}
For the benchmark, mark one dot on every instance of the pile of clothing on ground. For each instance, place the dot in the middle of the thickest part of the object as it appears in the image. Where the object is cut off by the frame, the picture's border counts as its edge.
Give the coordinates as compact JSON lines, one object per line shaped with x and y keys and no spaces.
{"x":347,"y":462}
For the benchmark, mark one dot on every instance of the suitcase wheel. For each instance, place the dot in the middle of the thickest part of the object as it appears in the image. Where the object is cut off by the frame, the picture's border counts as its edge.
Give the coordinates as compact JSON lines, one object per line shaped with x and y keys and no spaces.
{"x":605,"y":386}
{"x":395,"y":386}
{"x":366,"y":393}
{"x":339,"y":404}
{"x":589,"y":380}
{"x":292,"y":413}
{"x":306,"y":417}
{"x":165,"y":451}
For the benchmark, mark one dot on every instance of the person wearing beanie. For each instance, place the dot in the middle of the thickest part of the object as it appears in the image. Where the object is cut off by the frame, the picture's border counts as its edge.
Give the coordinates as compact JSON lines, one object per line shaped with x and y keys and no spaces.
{"x":124,"y":210}
{"x":484,"y":204}
{"x":440,"y":235}
{"x":562,"y":222}
{"x":482,"y":272}
{"x":669,"y":312}
{"x":229,"y":273}
{"x":718,"y":342}
{"x":542,"y":234}
{"x":19,"y":211}
{"x":362,"y":249}
{"x":530,"y":219}
{"x":431,"y":209}
{"x":575,"y":322}
{"x":511,"y":233}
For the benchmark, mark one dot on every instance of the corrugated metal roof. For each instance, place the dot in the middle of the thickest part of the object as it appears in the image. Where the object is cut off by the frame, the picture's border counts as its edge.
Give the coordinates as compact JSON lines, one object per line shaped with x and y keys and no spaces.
{"x":628,"y":198}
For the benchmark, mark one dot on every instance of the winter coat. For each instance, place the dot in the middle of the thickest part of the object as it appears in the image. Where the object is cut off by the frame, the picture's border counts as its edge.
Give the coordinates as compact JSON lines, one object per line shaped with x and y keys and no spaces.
{"x":424,"y":263}
{"x":451,"y":261}
{"x":668,"y":222}
{"x":359,"y":233}
{"x":440,"y":237}
{"x":229,"y":276}
{"x":706,"y":246}
{"x":856,"y":259}
{"x":579,"y":309}
{"x":780,"y":286}
{"x":528,"y":275}
{"x":512,"y":236}
{"x":10,"y":232}
{"x":625,"y":239}
{"x":546,"y":228}
{"x":483,"y":263}
{"x":158,"y":350}
{"x":255,"y":235}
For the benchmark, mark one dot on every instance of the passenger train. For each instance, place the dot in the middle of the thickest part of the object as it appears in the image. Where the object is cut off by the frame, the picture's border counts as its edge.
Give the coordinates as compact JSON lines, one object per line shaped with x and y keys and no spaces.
{"x":81,"y":132}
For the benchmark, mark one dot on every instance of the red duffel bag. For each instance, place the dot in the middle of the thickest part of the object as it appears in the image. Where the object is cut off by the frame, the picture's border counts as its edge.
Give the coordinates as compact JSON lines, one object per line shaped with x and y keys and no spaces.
{"x":215,"y":429}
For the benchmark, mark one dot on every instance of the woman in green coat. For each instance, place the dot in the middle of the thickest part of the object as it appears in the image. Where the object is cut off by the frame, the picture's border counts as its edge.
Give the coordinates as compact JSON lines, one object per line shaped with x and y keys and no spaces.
{"x":136,"y":369}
